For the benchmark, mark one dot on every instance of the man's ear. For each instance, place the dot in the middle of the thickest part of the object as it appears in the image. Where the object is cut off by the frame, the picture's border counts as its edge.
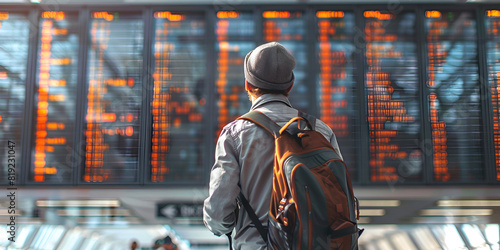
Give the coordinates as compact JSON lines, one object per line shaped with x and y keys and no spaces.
{"x":247,"y":88}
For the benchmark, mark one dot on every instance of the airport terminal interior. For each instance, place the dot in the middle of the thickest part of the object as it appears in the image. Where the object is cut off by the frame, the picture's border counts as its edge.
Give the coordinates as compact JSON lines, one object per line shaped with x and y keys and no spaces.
{"x":110,"y":111}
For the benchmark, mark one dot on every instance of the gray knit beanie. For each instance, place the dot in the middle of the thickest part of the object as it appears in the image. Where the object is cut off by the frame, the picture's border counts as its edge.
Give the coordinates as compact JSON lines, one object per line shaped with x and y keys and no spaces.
{"x":269,"y":66}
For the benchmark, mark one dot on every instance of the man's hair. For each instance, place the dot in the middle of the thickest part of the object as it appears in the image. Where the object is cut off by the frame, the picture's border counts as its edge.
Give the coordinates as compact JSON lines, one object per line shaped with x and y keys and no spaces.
{"x":260,"y":91}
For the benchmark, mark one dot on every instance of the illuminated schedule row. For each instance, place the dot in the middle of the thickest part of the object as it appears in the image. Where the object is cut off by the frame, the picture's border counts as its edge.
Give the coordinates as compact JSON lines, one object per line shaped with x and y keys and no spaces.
{"x":141,"y":97}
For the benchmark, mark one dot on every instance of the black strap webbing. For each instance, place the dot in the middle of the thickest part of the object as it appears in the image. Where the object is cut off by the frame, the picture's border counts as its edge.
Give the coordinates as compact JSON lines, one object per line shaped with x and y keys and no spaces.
{"x":253,"y":217}
{"x":230,"y":241}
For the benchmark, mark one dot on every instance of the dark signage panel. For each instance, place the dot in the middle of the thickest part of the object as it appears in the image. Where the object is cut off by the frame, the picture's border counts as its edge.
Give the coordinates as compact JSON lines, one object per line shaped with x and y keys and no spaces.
{"x":179,"y":211}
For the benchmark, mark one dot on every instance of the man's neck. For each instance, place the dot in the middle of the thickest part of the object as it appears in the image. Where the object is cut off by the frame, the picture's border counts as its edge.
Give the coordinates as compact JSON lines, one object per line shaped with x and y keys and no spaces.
{"x":252,"y":97}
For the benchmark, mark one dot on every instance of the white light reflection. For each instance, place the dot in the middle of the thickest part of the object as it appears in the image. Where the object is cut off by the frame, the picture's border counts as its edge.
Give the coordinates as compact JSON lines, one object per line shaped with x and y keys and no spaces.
{"x":492,"y":232}
{"x":473,"y":235}
{"x":449,"y":237}
{"x":424,"y":239}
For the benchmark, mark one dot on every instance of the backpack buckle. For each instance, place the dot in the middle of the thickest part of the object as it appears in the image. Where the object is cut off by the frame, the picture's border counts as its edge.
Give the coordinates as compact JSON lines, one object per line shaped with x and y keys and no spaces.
{"x":283,"y":209}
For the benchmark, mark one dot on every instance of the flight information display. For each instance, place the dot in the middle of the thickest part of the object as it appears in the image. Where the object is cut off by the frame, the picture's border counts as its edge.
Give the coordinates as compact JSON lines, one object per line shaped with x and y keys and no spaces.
{"x":289,"y":29}
{"x":234,"y":34}
{"x":138,"y":95}
{"x":454,"y":96}
{"x":14,"y":33}
{"x":493,"y":58}
{"x":336,"y":86}
{"x":392,"y":94}
{"x":114,"y":97}
{"x":55,"y":97}
{"x":179,"y":100}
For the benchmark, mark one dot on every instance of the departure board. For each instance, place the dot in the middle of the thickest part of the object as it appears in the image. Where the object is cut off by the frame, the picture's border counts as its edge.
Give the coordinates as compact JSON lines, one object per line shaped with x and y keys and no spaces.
{"x":234,"y":33}
{"x":138,"y":95}
{"x":14,"y":34}
{"x":493,"y":58}
{"x":179,"y":99}
{"x":289,"y":29}
{"x":55,"y":98}
{"x":114,"y":97}
{"x":336,"y":87}
{"x":454,"y":96}
{"x":392,"y":94}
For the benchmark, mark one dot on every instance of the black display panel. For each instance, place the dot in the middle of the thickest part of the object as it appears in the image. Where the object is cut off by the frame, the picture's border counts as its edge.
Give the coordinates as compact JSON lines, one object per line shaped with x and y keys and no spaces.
{"x":14,"y":34}
{"x":393,"y":93}
{"x":179,"y":100}
{"x":55,"y":98}
{"x":426,"y":120}
{"x":492,"y":23}
{"x":336,"y":88}
{"x":454,"y":96}
{"x":289,"y":28}
{"x":234,"y":34}
{"x":114,"y":97}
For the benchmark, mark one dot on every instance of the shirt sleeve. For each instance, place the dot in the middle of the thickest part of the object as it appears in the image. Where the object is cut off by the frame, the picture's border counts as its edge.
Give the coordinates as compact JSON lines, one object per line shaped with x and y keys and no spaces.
{"x":219,"y":207}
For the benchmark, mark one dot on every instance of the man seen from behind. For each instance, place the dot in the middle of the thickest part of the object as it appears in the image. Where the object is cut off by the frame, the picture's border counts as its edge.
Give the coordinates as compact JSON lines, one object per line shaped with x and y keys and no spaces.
{"x":244,"y":152}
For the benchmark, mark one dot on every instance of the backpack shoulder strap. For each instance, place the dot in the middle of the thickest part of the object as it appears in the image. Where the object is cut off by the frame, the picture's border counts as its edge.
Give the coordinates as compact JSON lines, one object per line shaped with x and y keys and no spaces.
{"x":262,"y":120}
{"x":265,"y":122}
{"x":310,"y":118}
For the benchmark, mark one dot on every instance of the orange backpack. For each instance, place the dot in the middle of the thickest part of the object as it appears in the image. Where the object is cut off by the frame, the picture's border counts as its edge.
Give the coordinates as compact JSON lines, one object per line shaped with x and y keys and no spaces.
{"x":312,"y":202}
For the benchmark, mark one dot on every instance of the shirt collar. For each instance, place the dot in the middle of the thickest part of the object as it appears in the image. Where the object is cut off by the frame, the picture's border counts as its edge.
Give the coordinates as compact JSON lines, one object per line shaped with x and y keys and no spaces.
{"x":267,"y":98}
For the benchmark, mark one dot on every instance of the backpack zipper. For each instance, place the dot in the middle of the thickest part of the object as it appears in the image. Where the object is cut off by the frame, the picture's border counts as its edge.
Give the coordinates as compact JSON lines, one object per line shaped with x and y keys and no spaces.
{"x":309,"y":218}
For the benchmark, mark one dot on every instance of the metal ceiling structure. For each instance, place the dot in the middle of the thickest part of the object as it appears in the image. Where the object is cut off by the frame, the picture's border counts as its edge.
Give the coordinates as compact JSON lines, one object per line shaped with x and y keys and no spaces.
{"x":235,"y":2}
